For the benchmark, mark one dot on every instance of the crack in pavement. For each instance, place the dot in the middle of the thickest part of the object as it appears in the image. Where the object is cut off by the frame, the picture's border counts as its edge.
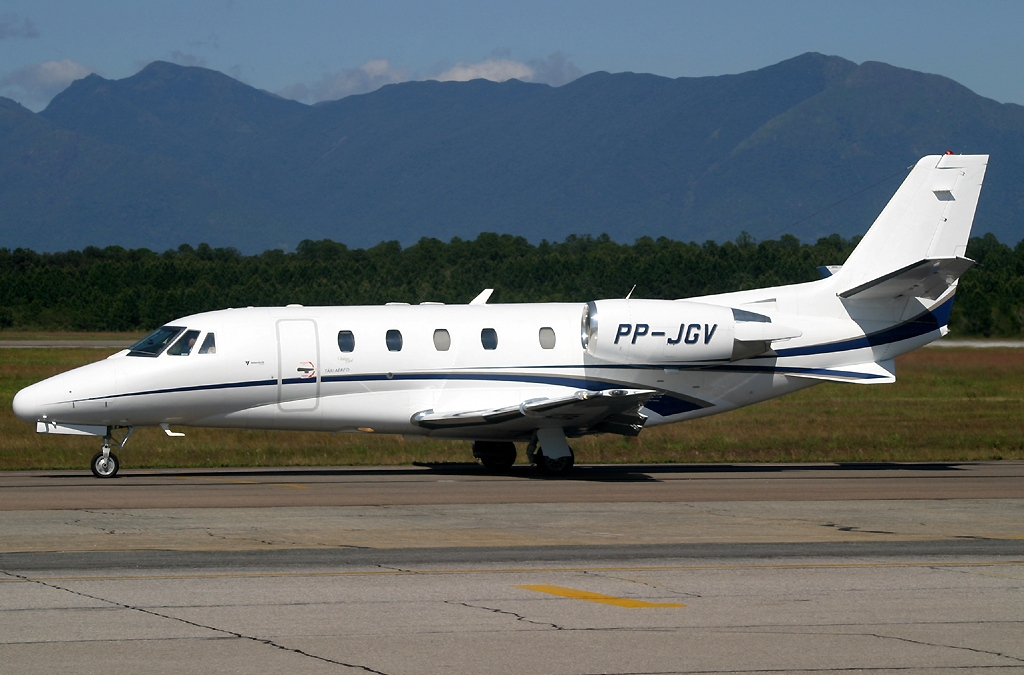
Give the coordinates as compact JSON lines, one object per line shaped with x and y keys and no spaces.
{"x":936,"y":644}
{"x":880,"y":636}
{"x":854,"y":528}
{"x":225,"y":631}
{"x":519,"y":617}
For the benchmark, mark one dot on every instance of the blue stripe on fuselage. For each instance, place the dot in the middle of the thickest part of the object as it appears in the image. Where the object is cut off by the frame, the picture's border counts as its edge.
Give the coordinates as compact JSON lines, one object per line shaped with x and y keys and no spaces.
{"x":922,"y":324}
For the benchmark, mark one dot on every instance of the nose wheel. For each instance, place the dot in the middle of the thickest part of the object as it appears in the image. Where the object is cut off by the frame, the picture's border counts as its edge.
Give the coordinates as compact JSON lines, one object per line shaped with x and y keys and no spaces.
{"x":105,"y":463}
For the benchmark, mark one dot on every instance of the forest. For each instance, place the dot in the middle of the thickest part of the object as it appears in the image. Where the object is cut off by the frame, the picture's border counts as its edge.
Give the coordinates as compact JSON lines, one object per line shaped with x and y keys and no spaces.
{"x":117,"y":289}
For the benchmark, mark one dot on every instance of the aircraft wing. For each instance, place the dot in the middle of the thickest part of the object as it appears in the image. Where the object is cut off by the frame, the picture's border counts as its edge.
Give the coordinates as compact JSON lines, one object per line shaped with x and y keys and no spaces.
{"x":609,"y":410}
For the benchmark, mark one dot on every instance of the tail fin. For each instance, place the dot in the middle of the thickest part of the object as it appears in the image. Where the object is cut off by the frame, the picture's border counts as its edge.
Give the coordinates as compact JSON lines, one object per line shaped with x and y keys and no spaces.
{"x":917,"y":244}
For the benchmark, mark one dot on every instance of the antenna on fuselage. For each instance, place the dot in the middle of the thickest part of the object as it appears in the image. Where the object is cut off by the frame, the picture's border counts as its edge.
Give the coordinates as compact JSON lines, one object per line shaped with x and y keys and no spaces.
{"x":482,"y":298}
{"x":630,"y":292}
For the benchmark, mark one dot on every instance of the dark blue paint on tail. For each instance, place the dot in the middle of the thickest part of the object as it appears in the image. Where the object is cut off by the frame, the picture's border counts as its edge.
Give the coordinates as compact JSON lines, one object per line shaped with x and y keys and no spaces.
{"x":920,"y":325}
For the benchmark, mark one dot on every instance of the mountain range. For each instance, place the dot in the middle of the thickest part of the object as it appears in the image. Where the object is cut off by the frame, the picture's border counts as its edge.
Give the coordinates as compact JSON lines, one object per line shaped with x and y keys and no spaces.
{"x":811,"y":146}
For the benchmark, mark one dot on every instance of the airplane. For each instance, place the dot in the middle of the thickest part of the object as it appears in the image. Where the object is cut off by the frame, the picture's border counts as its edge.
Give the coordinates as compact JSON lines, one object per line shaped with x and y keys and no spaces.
{"x":537,"y":373}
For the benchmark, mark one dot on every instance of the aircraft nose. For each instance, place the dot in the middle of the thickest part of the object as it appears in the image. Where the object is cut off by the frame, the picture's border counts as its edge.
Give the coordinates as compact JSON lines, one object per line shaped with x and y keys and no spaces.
{"x":28,"y":403}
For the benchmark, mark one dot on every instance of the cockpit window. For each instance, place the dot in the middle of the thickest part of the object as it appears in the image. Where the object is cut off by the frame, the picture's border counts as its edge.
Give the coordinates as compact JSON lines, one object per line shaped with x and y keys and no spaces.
{"x":209,"y":345}
{"x":184,"y":345}
{"x":155,"y":342}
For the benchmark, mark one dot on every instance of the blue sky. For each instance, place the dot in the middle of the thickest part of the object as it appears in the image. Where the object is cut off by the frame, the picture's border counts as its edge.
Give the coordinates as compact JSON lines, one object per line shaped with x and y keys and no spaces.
{"x":317,"y":50}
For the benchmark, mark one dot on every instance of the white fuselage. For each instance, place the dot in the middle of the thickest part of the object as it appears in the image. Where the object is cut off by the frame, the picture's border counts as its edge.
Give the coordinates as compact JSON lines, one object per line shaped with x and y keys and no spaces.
{"x":521,"y":372}
{"x":283,"y":368}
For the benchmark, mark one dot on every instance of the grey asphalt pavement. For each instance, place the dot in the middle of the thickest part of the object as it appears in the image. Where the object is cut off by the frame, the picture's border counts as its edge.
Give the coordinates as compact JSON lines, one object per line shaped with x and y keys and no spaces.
{"x":459,"y":572}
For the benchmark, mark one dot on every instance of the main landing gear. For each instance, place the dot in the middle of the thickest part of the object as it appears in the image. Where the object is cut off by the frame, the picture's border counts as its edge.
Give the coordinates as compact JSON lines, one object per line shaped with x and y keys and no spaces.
{"x":548,"y":450}
{"x":105,"y":463}
{"x":496,"y":456}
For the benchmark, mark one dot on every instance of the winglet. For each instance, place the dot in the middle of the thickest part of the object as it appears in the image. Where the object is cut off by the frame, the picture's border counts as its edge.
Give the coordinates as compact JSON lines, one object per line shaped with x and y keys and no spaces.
{"x":483,"y":297}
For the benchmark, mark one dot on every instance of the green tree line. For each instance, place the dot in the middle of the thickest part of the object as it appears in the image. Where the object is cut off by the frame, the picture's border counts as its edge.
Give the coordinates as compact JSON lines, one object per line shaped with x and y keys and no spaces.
{"x":113,"y":288}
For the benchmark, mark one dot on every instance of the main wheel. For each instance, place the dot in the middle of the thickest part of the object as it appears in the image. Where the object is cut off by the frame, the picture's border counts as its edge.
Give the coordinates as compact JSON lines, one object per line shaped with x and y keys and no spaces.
{"x":495,"y":455}
{"x":555,"y":467}
{"x":105,"y":467}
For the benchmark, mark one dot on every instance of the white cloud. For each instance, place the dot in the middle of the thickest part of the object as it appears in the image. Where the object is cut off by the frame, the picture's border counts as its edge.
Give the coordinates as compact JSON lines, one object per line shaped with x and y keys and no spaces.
{"x":368,"y":77}
{"x":34,"y":85}
{"x":555,"y":70}
{"x":12,"y":25}
{"x":495,"y":70}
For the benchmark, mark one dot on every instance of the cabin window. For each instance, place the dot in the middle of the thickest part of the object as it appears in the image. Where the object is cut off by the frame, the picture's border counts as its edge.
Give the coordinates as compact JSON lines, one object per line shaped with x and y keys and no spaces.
{"x":155,"y":342}
{"x":394,"y":340}
{"x":489,"y":338}
{"x":346,"y":341}
{"x":209,"y":345}
{"x":442,"y":340}
{"x":547,"y":338}
{"x":184,"y":345}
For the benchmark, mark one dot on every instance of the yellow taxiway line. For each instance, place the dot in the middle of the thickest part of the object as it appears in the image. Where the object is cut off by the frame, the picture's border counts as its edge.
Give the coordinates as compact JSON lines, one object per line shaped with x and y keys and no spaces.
{"x":572,"y":593}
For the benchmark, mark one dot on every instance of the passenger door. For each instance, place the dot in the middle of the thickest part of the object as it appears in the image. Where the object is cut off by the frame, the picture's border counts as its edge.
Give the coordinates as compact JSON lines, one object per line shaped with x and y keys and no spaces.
{"x":298,"y":370}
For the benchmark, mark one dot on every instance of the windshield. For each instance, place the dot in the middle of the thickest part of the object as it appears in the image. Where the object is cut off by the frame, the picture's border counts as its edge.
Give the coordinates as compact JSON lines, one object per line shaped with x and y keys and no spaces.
{"x":155,"y":342}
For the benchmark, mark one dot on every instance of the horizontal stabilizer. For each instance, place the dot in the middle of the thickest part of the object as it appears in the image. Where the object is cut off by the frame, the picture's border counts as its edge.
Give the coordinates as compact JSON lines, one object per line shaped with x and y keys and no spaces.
{"x":579,"y":409}
{"x":924,"y":279}
{"x":883,"y":372}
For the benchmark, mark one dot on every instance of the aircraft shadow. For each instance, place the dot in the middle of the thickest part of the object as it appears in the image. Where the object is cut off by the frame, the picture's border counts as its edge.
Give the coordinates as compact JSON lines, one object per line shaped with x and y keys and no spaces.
{"x":588,"y":473}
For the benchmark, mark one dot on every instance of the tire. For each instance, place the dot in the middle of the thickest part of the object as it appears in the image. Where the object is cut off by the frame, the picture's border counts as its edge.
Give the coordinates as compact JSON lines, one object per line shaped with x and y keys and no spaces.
{"x":495,"y":455}
{"x":554,"y":467}
{"x":104,"y":468}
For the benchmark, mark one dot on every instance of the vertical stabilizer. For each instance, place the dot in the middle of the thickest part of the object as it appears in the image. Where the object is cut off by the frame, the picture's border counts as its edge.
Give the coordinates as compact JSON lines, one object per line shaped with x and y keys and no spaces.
{"x":928,"y":219}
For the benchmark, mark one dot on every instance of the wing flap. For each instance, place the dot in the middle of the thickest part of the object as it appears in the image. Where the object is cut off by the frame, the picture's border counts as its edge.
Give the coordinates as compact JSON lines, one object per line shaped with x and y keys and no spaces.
{"x":618,"y":408}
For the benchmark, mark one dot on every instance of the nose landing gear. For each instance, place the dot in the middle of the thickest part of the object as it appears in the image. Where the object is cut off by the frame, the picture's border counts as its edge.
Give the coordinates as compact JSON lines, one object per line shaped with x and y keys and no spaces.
{"x":105,"y":463}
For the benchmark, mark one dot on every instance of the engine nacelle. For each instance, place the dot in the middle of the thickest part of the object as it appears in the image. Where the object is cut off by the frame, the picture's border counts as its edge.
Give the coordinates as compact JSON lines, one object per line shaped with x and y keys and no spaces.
{"x":658,"y":331}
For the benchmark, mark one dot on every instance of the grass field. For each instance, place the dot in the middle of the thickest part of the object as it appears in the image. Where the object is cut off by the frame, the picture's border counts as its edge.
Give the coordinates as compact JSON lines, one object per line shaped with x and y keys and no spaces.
{"x":64,"y":335}
{"x":951,"y":404}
